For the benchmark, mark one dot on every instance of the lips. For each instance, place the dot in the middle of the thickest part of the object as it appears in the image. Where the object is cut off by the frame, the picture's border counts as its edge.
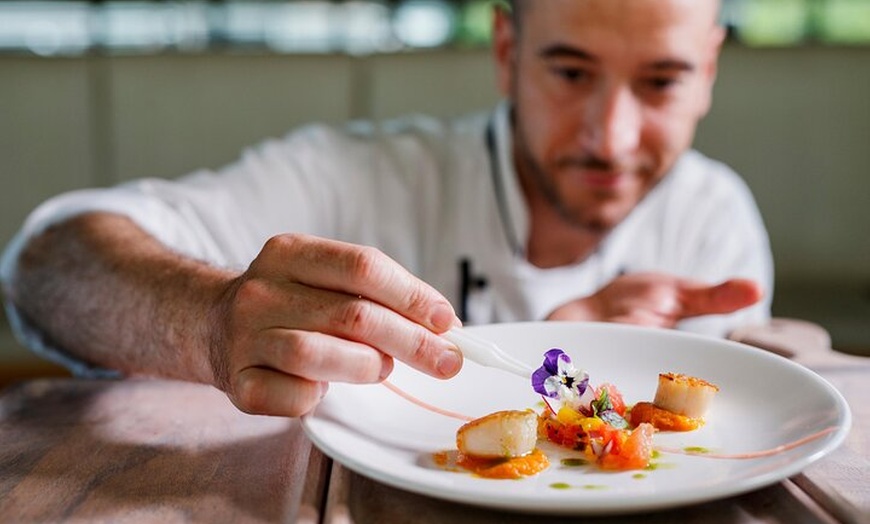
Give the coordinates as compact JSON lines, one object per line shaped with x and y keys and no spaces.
{"x":603,"y":180}
{"x":598,"y":179}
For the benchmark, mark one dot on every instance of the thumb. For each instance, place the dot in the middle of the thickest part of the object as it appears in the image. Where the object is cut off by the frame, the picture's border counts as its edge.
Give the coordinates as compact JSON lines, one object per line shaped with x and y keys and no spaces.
{"x":727,"y":297}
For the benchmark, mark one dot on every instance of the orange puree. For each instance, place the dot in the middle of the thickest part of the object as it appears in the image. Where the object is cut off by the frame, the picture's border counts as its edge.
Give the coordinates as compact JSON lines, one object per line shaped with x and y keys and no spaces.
{"x":662,"y":419}
{"x":441,"y":458}
{"x":502,"y":468}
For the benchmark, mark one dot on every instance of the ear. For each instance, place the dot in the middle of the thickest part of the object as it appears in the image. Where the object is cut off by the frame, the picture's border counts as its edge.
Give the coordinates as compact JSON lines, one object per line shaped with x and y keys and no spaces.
{"x":504,"y":43}
{"x":711,"y":68}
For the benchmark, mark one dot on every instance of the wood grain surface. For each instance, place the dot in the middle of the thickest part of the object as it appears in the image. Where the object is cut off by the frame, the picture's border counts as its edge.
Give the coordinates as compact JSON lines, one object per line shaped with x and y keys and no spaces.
{"x":150,"y":451}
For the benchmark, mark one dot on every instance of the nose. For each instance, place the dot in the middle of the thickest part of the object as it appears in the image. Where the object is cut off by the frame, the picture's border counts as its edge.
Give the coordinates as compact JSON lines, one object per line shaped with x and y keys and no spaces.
{"x":612,"y":123}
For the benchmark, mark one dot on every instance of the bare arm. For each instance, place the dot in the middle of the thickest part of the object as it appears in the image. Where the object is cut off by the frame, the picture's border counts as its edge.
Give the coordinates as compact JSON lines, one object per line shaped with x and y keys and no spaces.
{"x":108,"y":293}
{"x":306,"y":312}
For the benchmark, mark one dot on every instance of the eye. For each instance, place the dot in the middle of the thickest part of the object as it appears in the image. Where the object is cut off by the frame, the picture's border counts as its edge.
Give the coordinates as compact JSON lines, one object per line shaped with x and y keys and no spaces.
{"x":571,"y":75}
{"x":662,"y":83}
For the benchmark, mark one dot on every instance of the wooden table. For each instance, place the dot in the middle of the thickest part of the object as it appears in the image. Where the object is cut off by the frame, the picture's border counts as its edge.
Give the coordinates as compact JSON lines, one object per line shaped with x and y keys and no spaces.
{"x":160,"y":451}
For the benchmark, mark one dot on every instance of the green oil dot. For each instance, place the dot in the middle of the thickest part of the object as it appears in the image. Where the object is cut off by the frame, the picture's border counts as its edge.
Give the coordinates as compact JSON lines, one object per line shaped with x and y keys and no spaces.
{"x":593,"y":487}
{"x":696,"y":449}
{"x":658,"y":465}
{"x":560,"y":485}
{"x":574,"y":462}
{"x":638,"y":476}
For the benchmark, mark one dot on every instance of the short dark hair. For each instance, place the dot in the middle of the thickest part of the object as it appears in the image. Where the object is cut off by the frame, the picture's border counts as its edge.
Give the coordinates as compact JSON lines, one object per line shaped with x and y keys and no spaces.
{"x":514,"y":8}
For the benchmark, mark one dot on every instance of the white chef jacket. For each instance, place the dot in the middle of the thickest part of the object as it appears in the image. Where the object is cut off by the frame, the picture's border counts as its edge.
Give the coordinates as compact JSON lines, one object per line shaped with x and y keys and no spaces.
{"x":440,"y":197}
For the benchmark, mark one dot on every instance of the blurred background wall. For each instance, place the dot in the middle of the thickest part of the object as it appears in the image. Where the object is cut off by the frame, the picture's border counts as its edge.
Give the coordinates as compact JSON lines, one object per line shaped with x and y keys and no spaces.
{"x":793,"y":120}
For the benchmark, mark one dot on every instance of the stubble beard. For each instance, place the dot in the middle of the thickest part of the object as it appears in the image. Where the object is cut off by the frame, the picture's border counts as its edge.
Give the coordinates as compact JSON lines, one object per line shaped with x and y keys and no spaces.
{"x":542,"y":180}
{"x":591,"y":221}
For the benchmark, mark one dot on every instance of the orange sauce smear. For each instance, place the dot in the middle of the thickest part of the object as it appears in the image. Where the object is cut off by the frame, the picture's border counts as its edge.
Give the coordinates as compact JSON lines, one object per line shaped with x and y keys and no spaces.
{"x":502,"y":468}
{"x":662,"y":419}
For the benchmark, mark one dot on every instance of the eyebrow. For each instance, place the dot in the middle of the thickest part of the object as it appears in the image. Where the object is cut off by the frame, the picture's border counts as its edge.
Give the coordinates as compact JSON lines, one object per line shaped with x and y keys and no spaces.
{"x":559,"y":50}
{"x":566,"y":51}
{"x":671,"y":64}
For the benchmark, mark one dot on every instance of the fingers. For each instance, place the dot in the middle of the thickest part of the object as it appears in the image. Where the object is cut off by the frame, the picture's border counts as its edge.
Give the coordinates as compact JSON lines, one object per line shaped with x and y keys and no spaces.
{"x":364,"y":271}
{"x":657,"y":299}
{"x":308,"y":328}
{"x":354,"y":293}
{"x":263,"y":391}
{"x":727,"y":297}
{"x":291,"y":369}
{"x":320,"y":357}
{"x":646,"y":318}
{"x":382,"y":328}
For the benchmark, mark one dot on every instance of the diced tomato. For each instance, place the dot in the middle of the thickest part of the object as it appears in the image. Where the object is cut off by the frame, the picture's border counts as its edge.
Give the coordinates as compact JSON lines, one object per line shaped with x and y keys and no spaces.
{"x":615,"y":397}
{"x":635,"y":452}
{"x":567,"y":435}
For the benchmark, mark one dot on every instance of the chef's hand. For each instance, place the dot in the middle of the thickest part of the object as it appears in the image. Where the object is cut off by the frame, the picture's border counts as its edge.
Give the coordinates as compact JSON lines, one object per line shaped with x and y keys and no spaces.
{"x":659,"y":300}
{"x":309,"y":311}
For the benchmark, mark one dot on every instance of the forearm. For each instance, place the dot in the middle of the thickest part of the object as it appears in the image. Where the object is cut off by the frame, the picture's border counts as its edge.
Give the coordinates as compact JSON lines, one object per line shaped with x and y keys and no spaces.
{"x":108,"y":293}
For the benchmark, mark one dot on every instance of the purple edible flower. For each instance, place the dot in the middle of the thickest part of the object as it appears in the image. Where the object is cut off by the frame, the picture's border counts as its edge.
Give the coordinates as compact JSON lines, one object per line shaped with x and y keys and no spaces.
{"x":558,"y":378}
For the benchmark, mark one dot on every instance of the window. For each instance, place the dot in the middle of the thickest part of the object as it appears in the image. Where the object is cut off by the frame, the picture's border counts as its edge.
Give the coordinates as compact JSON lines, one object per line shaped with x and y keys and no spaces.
{"x":355,"y":26}
{"x":792,"y":22}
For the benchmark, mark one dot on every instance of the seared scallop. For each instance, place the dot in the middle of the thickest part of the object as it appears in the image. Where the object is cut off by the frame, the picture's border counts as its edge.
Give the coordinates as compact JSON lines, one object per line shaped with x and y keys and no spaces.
{"x":503,"y":434}
{"x":684,"y":395}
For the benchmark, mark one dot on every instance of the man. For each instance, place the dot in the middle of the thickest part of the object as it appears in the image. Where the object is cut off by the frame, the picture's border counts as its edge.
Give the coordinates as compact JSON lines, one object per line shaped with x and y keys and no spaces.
{"x":323,"y":256}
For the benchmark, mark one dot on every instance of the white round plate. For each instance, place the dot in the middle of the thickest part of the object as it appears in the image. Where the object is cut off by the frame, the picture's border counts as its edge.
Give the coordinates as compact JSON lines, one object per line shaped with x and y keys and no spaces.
{"x":764,"y":401}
